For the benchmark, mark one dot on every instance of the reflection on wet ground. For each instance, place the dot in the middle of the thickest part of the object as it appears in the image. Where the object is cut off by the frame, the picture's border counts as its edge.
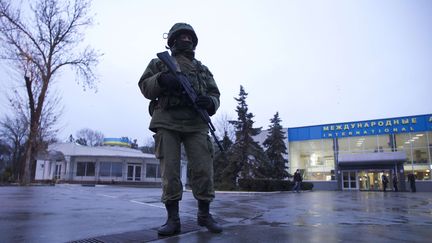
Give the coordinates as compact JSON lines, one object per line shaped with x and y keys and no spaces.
{"x":65,"y":213}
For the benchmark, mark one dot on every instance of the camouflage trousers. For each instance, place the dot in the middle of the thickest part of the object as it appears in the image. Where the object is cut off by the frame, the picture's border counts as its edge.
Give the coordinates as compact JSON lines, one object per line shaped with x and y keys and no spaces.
{"x":199,"y":152}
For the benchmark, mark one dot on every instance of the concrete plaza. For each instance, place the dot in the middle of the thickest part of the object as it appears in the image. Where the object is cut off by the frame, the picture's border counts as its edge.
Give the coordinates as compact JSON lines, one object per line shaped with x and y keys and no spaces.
{"x":75,"y":213}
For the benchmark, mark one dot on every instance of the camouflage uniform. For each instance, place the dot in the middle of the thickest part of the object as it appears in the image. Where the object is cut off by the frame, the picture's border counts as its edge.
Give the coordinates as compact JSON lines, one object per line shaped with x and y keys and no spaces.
{"x":175,"y":122}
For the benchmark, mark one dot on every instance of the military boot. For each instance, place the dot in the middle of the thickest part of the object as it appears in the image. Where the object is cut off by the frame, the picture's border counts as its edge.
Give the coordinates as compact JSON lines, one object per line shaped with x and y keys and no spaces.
{"x":206,"y":219}
{"x":172,"y":225}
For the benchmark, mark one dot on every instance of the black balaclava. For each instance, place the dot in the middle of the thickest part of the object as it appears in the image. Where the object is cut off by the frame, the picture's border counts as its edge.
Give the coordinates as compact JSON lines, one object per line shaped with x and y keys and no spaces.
{"x":185,"y":48}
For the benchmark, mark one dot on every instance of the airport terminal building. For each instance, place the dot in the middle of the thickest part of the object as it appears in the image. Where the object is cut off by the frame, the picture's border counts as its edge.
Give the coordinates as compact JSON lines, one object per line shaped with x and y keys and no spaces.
{"x":339,"y":156}
{"x":354,"y":155}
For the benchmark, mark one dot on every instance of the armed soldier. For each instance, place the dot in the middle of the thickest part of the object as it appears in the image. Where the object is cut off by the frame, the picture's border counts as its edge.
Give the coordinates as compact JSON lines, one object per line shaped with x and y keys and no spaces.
{"x":175,"y":121}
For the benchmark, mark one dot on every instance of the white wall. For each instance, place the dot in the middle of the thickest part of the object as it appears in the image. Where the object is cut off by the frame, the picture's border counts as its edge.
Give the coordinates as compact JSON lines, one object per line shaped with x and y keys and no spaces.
{"x":43,"y":170}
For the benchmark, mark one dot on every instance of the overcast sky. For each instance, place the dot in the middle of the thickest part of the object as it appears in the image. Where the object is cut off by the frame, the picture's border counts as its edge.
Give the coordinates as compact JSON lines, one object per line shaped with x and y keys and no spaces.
{"x":314,"y":62}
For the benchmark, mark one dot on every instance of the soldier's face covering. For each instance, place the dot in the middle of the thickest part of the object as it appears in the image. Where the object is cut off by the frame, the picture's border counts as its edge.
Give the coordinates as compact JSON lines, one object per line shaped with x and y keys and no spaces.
{"x":184,"y":45}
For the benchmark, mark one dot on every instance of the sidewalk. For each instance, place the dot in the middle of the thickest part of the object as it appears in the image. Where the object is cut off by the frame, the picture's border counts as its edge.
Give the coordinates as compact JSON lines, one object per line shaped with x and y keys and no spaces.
{"x":73,"y":213}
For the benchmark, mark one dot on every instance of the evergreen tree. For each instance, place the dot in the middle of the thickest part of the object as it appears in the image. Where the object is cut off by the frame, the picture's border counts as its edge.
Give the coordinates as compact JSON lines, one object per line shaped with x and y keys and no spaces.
{"x":276,"y":148}
{"x":247,"y":157}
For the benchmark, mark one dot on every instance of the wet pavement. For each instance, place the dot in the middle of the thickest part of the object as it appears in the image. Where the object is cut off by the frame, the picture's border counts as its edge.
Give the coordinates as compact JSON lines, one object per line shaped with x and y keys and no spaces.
{"x":75,"y":213}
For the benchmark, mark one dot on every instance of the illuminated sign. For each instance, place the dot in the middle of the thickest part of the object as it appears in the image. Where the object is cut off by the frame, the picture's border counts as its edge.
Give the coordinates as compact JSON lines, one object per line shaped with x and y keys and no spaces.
{"x":363,"y":128}
{"x":398,"y":125}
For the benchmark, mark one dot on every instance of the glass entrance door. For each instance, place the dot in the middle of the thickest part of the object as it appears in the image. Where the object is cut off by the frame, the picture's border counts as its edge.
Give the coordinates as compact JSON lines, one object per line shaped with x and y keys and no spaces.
{"x":349,"y":180}
{"x":371,"y":180}
{"x":134,"y":173}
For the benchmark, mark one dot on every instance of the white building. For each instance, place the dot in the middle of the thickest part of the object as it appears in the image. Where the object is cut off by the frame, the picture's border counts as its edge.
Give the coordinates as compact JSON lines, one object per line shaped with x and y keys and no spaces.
{"x":70,"y":162}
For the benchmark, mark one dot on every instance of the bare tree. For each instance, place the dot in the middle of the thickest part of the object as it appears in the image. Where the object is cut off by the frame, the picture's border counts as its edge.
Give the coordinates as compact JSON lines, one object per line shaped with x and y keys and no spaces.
{"x":90,"y":137}
{"x":14,"y":128}
{"x":51,"y":113}
{"x":14,"y":131}
{"x":224,"y":126}
{"x":39,"y":47}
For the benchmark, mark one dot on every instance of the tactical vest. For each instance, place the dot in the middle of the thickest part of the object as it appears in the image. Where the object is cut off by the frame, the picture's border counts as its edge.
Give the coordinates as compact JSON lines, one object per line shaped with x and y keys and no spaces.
{"x":197,"y":74}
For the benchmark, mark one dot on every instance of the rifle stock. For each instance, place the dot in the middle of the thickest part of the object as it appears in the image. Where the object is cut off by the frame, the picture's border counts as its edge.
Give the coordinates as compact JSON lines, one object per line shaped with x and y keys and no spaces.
{"x":172,"y":66}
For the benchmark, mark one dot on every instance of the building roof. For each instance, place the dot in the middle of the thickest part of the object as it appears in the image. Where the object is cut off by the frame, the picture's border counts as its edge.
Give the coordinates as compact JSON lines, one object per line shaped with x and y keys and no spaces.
{"x":73,"y":149}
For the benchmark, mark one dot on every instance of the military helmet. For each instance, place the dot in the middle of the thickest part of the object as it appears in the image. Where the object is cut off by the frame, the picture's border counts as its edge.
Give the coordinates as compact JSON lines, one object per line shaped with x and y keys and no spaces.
{"x":178,"y":29}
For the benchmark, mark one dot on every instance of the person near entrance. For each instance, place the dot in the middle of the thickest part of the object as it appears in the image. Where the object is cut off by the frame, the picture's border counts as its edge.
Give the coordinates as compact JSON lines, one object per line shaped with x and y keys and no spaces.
{"x":411,"y":180}
{"x":384,"y":181}
{"x":176,"y":122}
{"x":297,"y":181}
{"x":395,"y":182}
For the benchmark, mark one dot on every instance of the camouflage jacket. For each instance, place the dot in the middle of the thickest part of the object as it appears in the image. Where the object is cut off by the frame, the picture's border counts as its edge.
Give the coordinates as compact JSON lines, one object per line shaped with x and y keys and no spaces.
{"x":173,"y":109}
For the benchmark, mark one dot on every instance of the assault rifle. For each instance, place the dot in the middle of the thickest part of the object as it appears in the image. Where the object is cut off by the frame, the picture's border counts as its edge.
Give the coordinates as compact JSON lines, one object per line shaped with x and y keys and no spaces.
{"x":172,"y":66}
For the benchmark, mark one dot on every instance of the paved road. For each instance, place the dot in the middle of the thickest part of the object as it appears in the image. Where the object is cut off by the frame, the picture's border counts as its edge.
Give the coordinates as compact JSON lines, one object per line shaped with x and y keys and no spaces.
{"x":65,"y":213}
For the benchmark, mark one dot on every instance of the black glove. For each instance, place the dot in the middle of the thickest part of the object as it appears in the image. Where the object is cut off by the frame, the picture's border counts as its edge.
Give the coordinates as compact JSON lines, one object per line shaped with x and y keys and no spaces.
{"x":205,"y":102}
{"x":168,"y":81}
